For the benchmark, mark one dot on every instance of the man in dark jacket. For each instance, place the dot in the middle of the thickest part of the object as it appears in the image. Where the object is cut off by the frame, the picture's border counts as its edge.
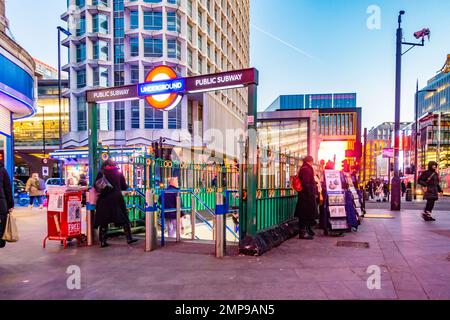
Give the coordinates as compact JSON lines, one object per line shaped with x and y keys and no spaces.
{"x":307,"y":209}
{"x":6,"y":201}
{"x":429,"y":180}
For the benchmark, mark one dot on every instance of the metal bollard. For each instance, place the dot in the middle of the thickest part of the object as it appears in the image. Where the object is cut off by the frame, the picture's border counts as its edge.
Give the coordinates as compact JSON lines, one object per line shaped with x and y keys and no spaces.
{"x":178,"y":235}
{"x":219,"y":227}
{"x":193,"y":217}
{"x":91,"y":197}
{"x":150,"y":226}
{"x":89,"y":228}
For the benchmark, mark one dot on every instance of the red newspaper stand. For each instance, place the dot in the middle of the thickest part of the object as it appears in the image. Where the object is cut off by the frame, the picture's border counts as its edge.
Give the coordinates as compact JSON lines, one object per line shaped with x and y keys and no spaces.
{"x":64,"y":215}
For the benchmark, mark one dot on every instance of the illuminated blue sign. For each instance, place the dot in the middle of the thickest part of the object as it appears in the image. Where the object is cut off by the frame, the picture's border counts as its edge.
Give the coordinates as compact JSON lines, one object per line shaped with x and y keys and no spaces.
{"x":161,"y":87}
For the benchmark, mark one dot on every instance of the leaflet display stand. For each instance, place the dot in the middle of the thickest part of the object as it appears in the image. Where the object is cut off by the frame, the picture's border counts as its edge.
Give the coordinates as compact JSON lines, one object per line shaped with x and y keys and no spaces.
{"x":357,"y":201}
{"x":336,"y":201}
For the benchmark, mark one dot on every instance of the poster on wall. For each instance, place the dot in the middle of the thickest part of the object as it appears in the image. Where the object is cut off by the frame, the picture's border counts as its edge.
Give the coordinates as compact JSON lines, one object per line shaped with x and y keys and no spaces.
{"x":333,"y":180}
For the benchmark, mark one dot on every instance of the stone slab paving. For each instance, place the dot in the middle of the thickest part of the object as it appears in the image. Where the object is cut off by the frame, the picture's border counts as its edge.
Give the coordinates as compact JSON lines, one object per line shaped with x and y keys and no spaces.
{"x":413,"y":257}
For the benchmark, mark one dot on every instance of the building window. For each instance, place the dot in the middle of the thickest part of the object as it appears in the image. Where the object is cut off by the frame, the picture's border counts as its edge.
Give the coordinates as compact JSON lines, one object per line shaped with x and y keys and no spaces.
{"x":134,"y":47}
{"x":101,"y":77}
{"x":103,"y":117}
{"x":135,"y":114}
{"x":119,"y":116}
{"x":101,"y":50}
{"x":189,"y":59}
{"x":153,"y":20}
{"x":173,"y":22}
{"x":153,"y":48}
{"x":154,"y":119}
{"x":175,"y":118}
{"x":81,"y":26}
{"x":81,"y":52}
{"x":100,"y":3}
{"x":173,"y":49}
{"x":80,"y":3}
{"x":100,"y":24}
{"x":81,"y":78}
{"x":81,"y":112}
{"x":134,"y":74}
{"x":134,"y":20}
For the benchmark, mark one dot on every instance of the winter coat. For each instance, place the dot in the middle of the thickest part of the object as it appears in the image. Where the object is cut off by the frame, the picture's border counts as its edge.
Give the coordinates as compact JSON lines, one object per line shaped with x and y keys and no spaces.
{"x":307,"y":209}
{"x":32,"y":187}
{"x":111,"y":207}
{"x":430,"y":180}
{"x":6,"y":193}
{"x":170,"y":202}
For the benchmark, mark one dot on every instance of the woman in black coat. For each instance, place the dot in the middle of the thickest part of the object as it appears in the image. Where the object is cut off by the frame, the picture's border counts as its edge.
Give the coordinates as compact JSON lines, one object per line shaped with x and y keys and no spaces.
{"x":307,"y":210}
{"x":111,"y":207}
{"x":6,"y":201}
{"x":430,"y":181}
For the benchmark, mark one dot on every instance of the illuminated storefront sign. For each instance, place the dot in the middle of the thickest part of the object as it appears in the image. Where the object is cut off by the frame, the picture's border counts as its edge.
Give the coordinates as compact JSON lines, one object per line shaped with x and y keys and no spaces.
{"x":163,"y":90}
{"x":163,"y":87}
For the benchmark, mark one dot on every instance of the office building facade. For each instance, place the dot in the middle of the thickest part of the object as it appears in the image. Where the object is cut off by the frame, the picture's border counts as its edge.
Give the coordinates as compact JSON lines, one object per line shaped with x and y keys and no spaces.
{"x":434,"y":120}
{"x":338,"y":130}
{"x":17,"y":89}
{"x":35,"y":138}
{"x":117,"y":42}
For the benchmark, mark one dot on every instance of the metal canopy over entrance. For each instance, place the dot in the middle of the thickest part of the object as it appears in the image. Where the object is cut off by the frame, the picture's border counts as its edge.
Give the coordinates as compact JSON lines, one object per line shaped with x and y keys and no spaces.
{"x":164,"y":90}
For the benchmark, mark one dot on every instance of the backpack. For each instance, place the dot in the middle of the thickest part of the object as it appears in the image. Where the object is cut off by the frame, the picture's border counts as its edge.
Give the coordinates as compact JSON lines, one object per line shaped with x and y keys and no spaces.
{"x":296,"y":183}
{"x":41,"y":185}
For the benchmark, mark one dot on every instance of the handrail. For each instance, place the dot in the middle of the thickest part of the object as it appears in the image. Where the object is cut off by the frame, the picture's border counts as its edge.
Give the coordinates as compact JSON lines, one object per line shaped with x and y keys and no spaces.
{"x":197,"y":213}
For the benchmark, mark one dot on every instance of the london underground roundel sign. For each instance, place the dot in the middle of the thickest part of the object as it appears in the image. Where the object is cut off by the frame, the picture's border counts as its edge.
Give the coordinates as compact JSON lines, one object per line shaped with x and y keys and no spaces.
{"x":162,"y":79}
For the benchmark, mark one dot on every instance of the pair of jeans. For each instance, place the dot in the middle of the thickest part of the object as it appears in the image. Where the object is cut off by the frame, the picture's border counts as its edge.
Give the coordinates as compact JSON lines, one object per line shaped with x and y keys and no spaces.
{"x":38,"y":198}
{"x":430,"y":205}
{"x":171,"y":225}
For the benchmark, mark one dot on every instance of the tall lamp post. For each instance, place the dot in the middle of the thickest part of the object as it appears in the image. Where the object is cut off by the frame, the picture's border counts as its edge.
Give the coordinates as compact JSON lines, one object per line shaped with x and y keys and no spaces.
{"x":416,"y":138}
{"x":67,"y":33}
{"x":44,"y":152}
{"x":396,"y":192}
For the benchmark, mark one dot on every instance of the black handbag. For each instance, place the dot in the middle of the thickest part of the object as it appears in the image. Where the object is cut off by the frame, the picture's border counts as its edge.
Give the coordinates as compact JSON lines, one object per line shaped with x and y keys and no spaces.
{"x":102,"y":185}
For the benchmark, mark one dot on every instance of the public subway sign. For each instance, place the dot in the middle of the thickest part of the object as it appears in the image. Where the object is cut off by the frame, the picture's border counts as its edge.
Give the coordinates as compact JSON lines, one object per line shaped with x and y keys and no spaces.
{"x":163,"y":90}
{"x":112,"y":94}
{"x":222,"y":81}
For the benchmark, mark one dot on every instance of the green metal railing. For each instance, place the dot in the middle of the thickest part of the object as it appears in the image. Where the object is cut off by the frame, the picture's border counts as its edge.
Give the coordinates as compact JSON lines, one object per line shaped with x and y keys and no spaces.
{"x":275,"y":200}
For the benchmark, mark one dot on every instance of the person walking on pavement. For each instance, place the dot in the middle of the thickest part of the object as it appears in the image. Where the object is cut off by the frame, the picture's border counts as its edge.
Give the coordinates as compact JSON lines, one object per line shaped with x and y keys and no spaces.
{"x":170,"y":206}
{"x":6,"y":201}
{"x":307,"y":210}
{"x":429,"y":180}
{"x":403,"y":185}
{"x":111,"y":207}
{"x":36,"y":188}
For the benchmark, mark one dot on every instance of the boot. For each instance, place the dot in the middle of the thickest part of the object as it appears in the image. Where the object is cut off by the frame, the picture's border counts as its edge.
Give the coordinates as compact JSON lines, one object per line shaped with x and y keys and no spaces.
{"x":426,"y":216}
{"x":310,"y":231}
{"x":127,"y":230}
{"x":305,"y":235}
{"x":103,"y":232}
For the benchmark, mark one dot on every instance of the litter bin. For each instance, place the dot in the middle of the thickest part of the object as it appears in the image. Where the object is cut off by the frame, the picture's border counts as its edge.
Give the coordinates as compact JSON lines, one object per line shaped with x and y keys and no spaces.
{"x":409,"y":196}
{"x":64,"y":215}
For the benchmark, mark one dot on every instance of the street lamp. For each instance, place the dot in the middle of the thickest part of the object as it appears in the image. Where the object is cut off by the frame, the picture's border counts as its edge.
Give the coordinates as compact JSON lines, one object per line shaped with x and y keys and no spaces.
{"x":67,"y":33}
{"x":43,"y":132}
{"x":416,"y":138}
{"x":396,"y":192}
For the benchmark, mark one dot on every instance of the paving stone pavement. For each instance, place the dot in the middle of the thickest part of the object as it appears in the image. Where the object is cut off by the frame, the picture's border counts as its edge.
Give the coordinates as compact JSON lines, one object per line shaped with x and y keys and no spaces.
{"x":413,"y":257}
